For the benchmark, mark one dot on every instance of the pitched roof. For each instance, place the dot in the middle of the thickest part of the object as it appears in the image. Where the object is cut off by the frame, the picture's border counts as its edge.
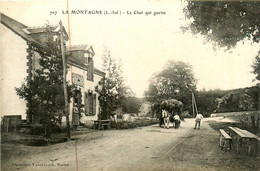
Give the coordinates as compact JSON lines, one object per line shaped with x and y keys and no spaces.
{"x":41,"y":29}
{"x":84,"y":47}
{"x":28,"y":33}
{"x":17,"y":28}
{"x":76,"y":56}
{"x":97,"y":71}
{"x":79,"y":47}
{"x":81,"y":64}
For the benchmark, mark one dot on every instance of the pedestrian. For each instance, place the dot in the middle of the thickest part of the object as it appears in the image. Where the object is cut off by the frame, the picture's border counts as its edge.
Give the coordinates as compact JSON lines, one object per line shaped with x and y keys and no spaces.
{"x":176,"y":121}
{"x":171,"y":118}
{"x":161,"y":121}
{"x":83,"y":117}
{"x":198,"y":120}
{"x":75,"y":117}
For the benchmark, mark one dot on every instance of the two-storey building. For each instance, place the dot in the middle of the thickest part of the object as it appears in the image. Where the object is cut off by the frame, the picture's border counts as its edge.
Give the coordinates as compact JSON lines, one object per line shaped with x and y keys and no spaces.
{"x":20,"y":49}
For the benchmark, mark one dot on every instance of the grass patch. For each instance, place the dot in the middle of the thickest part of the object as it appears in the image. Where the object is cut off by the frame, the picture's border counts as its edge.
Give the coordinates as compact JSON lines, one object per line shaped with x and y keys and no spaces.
{"x":224,"y":125}
{"x":248,"y":120}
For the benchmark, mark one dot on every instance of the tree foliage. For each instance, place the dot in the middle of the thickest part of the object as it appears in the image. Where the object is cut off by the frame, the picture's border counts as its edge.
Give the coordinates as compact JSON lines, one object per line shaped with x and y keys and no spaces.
{"x":236,"y":100}
{"x":224,"y":22}
{"x":256,"y":67}
{"x":175,"y":81}
{"x":218,"y":101}
{"x":245,"y":102}
{"x":205,"y":100}
{"x":131,"y":104}
{"x":44,"y":92}
{"x":111,"y":88}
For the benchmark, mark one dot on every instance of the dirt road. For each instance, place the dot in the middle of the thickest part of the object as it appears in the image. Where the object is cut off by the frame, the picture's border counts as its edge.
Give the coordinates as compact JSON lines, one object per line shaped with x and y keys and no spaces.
{"x":146,"y":148}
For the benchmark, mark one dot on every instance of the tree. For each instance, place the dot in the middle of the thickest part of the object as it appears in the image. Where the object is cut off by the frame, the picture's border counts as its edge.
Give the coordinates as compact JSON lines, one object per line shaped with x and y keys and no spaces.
{"x":44,"y":91}
{"x":245,"y":102}
{"x":176,"y":81}
{"x":226,"y":23}
{"x":111,"y":88}
{"x":131,"y":104}
{"x":208,"y":101}
{"x":256,"y":67}
{"x":238,"y":100}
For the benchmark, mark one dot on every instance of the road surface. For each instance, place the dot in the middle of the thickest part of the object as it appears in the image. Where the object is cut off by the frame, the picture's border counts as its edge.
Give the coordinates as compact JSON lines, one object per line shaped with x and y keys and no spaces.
{"x":147,"y":148}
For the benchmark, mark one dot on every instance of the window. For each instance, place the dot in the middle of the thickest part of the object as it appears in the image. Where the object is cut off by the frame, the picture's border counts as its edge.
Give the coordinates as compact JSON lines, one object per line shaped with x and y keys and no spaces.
{"x":86,"y":58}
{"x":90,"y":74}
{"x":90,"y":104}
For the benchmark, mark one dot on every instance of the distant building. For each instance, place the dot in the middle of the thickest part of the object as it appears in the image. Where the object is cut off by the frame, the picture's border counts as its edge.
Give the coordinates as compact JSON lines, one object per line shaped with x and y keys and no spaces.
{"x":20,"y":49}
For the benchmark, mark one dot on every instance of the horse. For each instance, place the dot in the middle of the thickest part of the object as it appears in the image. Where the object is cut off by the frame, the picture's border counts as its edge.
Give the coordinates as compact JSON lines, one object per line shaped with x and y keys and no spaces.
{"x":166,"y":117}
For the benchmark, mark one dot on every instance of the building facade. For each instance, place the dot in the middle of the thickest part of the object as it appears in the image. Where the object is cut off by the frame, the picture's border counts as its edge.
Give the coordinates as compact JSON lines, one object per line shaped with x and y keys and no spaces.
{"x":85,"y":78}
{"x":21,"y":48}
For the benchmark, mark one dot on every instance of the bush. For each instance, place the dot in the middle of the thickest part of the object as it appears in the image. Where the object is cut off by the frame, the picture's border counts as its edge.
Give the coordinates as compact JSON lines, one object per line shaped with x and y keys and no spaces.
{"x":186,"y":114}
{"x":137,"y":123}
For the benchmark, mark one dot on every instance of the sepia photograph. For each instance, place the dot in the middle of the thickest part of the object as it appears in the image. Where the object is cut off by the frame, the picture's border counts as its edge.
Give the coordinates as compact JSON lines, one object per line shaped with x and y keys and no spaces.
{"x":133,"y":85}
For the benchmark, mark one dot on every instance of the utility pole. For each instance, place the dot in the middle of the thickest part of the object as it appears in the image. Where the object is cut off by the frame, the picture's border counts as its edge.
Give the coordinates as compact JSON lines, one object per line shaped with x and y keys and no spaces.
{"x":194,"y":106}
{"x":64,"y":81}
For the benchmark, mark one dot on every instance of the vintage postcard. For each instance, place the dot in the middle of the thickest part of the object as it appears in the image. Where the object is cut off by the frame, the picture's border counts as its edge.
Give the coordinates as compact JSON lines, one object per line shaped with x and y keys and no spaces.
{"x":129,"y":85}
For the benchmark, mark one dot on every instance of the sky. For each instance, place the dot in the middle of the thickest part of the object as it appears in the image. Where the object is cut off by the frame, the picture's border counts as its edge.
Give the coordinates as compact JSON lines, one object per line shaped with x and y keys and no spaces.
{"x":144,"y":42}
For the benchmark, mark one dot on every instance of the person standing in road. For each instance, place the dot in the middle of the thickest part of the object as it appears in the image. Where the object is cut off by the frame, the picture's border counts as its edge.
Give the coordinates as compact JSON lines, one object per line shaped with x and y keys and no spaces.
{"x":75,"y":117}
{"x":198,"y":120}
{"x":177,"y":121}
{"x":161,"y":121}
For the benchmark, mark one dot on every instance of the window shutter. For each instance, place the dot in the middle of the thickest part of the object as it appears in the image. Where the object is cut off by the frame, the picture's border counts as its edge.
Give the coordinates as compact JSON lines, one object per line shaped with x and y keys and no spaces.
{"x":86,"y":103}
{"x":92,"y":70}
{"x":90,"y":74}
{"x":94,"y":104}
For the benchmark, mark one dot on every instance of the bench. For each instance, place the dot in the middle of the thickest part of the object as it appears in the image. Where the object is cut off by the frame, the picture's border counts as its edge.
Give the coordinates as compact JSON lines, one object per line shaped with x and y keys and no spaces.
{"x":250,"y":138}
{"x":244,"y":134}
{"x":247,"y":133}
{"x":100,"y":124}
{"x":224,"y":139}
{"x":237,"y":131}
